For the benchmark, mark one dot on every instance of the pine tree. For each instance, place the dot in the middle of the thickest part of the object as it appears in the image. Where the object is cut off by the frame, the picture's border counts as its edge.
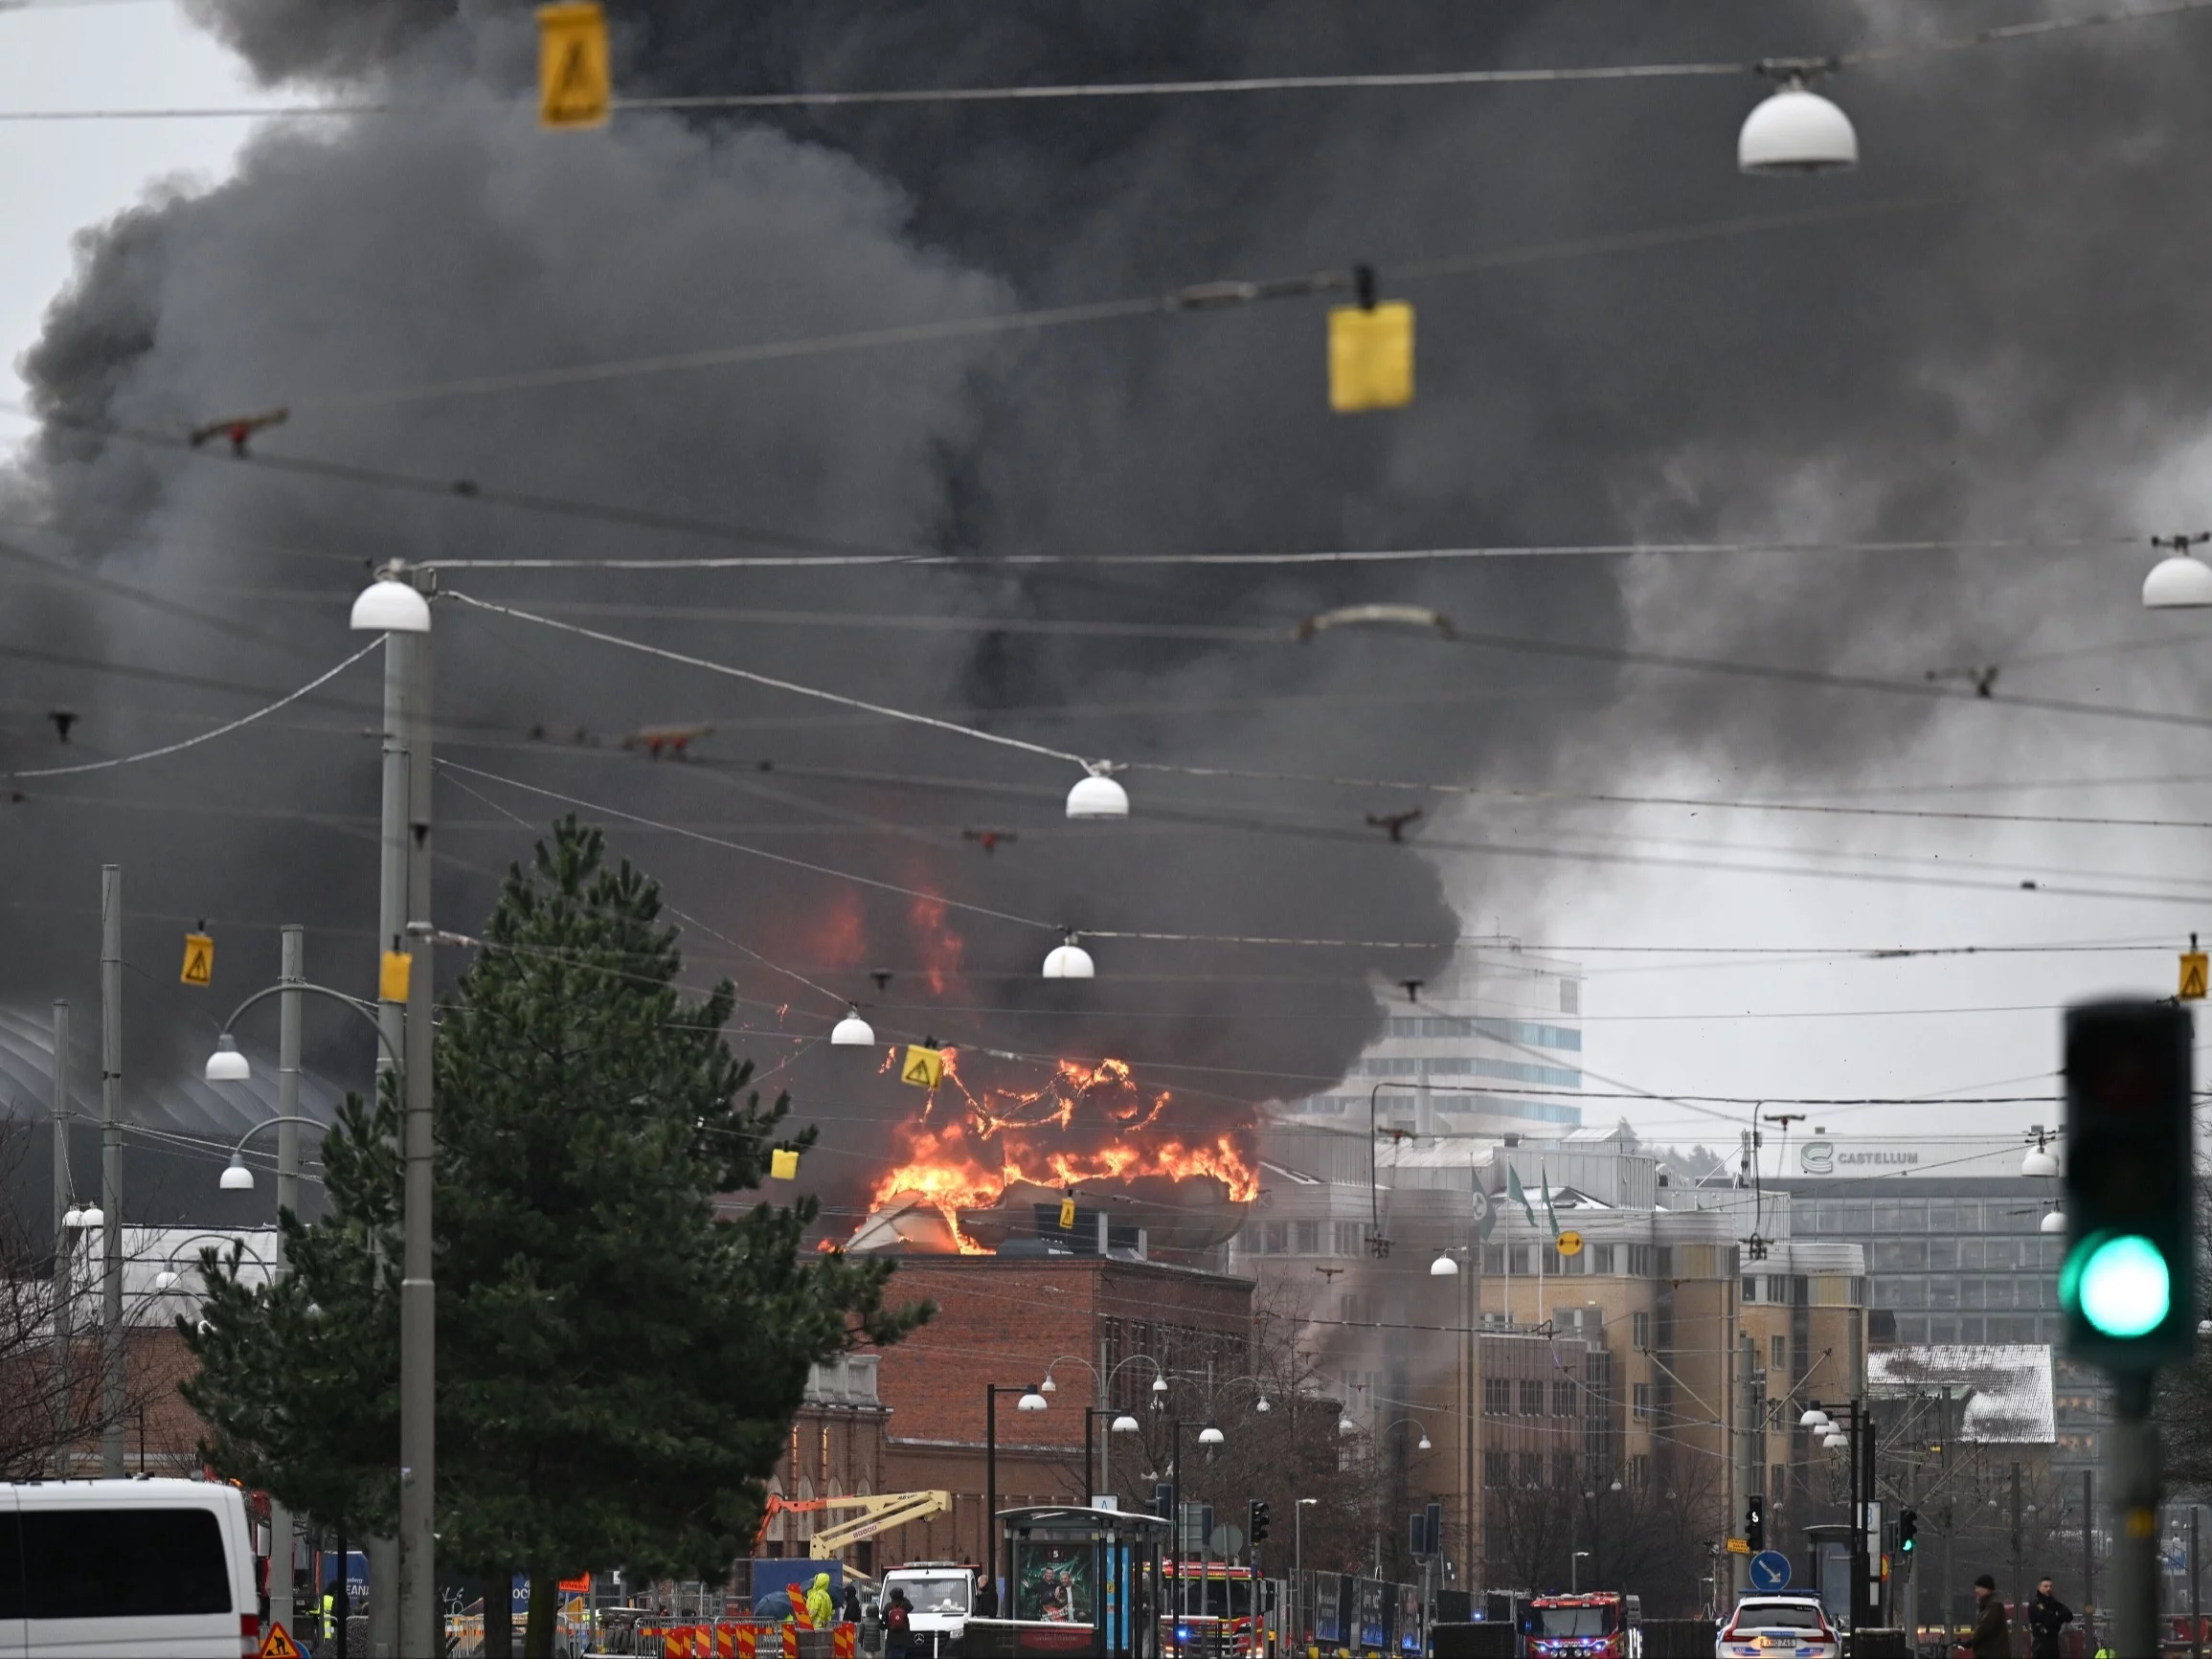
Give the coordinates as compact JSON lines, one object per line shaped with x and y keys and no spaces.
{"x":618,"y":1362}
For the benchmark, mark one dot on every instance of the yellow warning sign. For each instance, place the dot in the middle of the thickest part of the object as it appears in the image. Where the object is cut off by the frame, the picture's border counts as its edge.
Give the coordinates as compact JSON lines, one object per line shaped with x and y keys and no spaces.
{"x":783,"y":1164}
{"x":278,"y":1644}
{"x":1371,"y":358}
{"x":574,"y":82}
{"x":2192,"y":974}
{"x":1570,"y":1243}
{"x":1739,"y":1546}
{"x":199,"y":963}
{"x":392,"y":975}
{"x":1067,"y":1213}
{"x":924,"y":1067}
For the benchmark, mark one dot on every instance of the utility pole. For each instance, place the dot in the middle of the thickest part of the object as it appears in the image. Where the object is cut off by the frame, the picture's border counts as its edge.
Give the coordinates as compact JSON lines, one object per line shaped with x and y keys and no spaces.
{"x":293,"y":971}
{"x":2020,"y":1588}
{"x":111,"y":1170}
{"x":393,"y":607}
{"x":64,"y":1247}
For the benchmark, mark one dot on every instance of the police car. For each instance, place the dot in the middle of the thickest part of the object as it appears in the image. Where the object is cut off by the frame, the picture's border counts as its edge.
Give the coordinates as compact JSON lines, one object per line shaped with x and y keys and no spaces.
{"x":1779,"y":1627}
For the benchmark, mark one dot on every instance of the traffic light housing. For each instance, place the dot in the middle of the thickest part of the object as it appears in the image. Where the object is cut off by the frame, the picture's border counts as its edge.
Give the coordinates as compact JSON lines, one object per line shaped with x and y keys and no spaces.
{"x":2128,"y":1284}
{"x":1908,"y":1527}
{"x":1755,"y":1523}
{"x":1255,"y":1521}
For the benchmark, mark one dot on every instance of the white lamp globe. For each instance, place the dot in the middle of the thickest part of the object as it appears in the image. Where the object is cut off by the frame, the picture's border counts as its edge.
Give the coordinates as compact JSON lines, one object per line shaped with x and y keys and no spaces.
{"x":1069,"y":962}
{"x":852,"y":1031}
{"x":1033,"y":1402}
{"x":72,"y":1216}
{"x":226,"y":1065}
{"x":1159,"y":1385}
{"x":1261,"y":1404}
{"x":1796,"y":131}
{"x":2180,"y":583}
{"x":1443,"y":1268}
{"x":1048,"y":1386}
{"x":1097,"y":796}
{"x":2054,"y":1222}
{"x":389,"y":605}
{"x":2038,"y":1161}
{"x":1816,"y":1420}
{"x":165,"y":1280}
{"x":1424,"y":1445}
{"x":237,"y":1178}
{"x":1210,"y":1436}
{"x":1125,"y":1424}
{"x":1345,"y":1425}
{"x":92,"y":1216}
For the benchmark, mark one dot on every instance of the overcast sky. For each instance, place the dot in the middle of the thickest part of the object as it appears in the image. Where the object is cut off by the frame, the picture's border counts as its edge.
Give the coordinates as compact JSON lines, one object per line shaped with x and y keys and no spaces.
{"x":1755,"y":1027}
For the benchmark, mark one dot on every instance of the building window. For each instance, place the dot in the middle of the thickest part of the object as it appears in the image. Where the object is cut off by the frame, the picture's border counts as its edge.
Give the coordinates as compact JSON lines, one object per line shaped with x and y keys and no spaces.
{"x":1531,"y":1469}
{"x":1639,"y":1262}
{"x":1639,"y":1472}
{"x":1777,"y":1477}
{"x":1639,"y":1331}
{"x":1309,"y":1238}
{"x":1570,"y":996}
{"x":1751,"y":1289}
{"x":1517,"y":1259}
{"x":1640,"y":1395}
{"x":1348,"y":1239}
{"x":1496,"y":1396}
{"x":1273,"y":1237}
{"x":1778,"y":1349}
{"x":1494,"y":1258}
{"x":1494,"y":1468}
{"x":1563,"y":1470}
{"x":1664,"y":1267}
{"x":1563,"y":1400}
{"x":1531,"y":1399}
{"x":1601,"y":1259}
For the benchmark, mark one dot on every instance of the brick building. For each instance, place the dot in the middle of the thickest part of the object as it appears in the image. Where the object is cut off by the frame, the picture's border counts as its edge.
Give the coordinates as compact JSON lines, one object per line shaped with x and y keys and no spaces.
{"x":1006,"y":1320}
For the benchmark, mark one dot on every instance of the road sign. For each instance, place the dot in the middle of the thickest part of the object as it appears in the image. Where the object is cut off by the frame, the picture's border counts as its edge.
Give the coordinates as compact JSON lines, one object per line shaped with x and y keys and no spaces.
{"x":924,"y":1067}
{"x":572,"y":75}
{"x":1068,"y":1213}
{"x":199,"y":963}
{"x":1739,"y":1546}
{"x":2194,"y":965}
{"x":783,"y":1164}
{"x":394,"y":973}
{"x":1770,"y":1570}
{"x":1570,"y":1243}
{"x":278,"y":1644}
{"x":1227,"y":1541}
{"x":1371,"y":358}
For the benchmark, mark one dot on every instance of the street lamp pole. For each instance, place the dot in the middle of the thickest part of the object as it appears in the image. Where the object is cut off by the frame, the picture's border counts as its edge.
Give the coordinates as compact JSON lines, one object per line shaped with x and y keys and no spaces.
{"x":111,"y":1170}
{"x":1030,"y":1400}
{"x":65,"y":1244}
{"x":291,"y":974}
{"x":394,"y":606}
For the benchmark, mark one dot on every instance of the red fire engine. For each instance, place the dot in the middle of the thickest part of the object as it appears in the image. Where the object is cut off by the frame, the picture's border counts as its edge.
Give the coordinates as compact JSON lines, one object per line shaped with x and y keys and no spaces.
{"x":1596,"y":1624}
{"x":1210,"y":1611}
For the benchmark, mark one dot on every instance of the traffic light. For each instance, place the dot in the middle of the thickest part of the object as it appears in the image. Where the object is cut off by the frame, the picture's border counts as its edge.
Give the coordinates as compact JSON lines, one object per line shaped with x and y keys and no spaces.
{"x":1255,"y":1521}
{"x":2128,"y":1284}
{"x":1755,"y":1523}
{"x":1908,"y":1525}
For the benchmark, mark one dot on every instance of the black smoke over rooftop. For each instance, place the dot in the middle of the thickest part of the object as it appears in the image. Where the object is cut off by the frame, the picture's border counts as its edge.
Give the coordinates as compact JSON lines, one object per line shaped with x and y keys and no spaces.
{"x":1985,"y":355}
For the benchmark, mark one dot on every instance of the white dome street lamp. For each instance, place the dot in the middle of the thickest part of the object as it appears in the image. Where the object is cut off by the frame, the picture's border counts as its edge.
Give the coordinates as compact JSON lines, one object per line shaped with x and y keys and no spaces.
{"x":1795,"y":131}
{"x":1816,"y":1420}
{"x":1443,"y":1268}
{"x":2179,"y":581}
{"x":226,"y":1065}
{"x":1345,"y":1425}
{"x":1033,"y":1402}
{"x":1097,"y":796}
{"x":1125,"y":1424}
{"x":1210,"y":1436}
{"x":2038,"y":1160}
{"x":1424,"y":1445}
{"x":391,"y":605}
{"x":165,"y":1280}
{"x":237,"y":1178}
{"x":1068,"y":961}
{"x":852,"y":1031}
{"x":1261,"y":1404}
{"x":2054,"y":1222}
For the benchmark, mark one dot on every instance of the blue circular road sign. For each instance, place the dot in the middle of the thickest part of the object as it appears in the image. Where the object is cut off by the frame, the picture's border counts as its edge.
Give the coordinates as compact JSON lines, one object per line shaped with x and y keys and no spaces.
{"x":1770,"y":1570}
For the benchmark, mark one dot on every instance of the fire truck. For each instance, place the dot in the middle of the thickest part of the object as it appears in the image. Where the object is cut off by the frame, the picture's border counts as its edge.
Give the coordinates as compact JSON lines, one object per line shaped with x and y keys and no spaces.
{"x":1211,"y":1610}
{"x":1595,"y":1624}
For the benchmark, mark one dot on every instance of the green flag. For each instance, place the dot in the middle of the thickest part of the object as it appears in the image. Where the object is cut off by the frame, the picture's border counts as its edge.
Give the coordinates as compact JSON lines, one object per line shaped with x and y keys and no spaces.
{"x":1549,"y":1214}
{"x":1517,"y":1193}
{"x":1485,"y":1213}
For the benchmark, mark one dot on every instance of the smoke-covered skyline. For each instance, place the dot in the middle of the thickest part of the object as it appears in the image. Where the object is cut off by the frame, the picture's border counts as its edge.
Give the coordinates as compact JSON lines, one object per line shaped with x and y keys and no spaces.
{"x":2002,"y":350}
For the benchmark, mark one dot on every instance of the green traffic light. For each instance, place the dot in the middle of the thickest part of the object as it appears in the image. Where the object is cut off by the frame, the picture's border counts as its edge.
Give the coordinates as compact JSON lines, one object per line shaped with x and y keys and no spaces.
{"x":2122,"y":1285}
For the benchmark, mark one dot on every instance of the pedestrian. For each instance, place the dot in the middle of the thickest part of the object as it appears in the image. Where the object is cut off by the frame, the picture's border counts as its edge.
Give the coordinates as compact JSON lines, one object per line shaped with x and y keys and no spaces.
{"x":986,"y":1597}
{"x":897,"y":1625}
{"x":1992,"y":1637}
{"x":851,"y":1603}
{"x":2046,"y":1617}
{"x":821,"y":1610}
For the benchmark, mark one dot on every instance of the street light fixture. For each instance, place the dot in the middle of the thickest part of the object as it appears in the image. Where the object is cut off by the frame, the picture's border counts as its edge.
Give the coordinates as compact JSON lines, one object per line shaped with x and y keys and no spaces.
{"x":1795,"y":130}
{"x":226,"y":1065}
{"x":2179,"y":581}
{"x":1210,"y":1436}
{"x":1097,"y":797}
{"x":1443,"y":1268}
{"x":1123,"y":1425}
{"x":1069,"y":960}
{"x":1345,"y":1425}
{"x":390,"y":604}
{"x":237,"y":1178}
{"x":1033,"y":1402}
{"x":2053,"y":1223}
{"x":1816,"y":1420}
{"x":2038,"y":1159}
{"x":852,"y":1031}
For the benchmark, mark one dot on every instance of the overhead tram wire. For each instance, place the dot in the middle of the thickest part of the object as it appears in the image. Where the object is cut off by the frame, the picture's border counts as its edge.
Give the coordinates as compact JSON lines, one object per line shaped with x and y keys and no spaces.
{"x":1085,"y":91}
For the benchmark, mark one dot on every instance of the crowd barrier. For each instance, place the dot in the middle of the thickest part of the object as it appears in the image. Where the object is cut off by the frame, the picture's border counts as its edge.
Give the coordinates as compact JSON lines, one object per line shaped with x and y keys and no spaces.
{"x":742,"y":1639}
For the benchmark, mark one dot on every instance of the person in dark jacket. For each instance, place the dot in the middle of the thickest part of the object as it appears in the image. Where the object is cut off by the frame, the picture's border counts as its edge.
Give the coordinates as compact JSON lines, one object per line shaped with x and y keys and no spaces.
{"x":1992,"y":1637}
{"x":2046,"y":1617}
{"x":851,"y":1613}
{"x":897,"y":1625}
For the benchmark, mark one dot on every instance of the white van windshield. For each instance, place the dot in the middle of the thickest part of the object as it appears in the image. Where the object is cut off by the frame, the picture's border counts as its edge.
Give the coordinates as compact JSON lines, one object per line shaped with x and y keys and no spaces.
{"x":947,"y":1596}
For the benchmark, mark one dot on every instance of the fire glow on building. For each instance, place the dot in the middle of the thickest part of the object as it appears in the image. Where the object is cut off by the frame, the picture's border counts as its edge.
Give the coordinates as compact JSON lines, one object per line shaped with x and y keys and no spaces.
{"x":985,"y":1164}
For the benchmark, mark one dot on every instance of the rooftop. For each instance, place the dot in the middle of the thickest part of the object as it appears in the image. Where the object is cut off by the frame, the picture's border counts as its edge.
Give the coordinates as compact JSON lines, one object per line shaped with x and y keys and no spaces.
{"x":2009,"y":1386}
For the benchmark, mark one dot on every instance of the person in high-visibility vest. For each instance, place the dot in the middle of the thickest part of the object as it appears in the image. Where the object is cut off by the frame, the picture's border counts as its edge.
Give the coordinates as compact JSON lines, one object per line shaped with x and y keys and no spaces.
{"x":821,"y":1610}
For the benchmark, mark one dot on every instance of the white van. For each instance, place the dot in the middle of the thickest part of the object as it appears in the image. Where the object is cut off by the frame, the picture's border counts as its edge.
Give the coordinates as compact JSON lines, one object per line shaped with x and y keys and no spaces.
{"x":943,"y":1594}
{"x":125,"y":1569}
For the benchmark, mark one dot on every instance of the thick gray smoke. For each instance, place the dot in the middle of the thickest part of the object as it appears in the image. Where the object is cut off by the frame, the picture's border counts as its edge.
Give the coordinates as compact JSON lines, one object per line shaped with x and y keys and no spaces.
{"x":1974,"y":358}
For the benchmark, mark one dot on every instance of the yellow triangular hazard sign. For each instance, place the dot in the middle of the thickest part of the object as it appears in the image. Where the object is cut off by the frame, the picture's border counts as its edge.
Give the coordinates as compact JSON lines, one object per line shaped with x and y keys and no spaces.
{"x":1066,"y":1214}
{"x":573,"y":72}
{"x":924,"y":1068}
{"x":199,"y":963}
{"x":2193,"y":975}
{"x":278,"y":1644}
